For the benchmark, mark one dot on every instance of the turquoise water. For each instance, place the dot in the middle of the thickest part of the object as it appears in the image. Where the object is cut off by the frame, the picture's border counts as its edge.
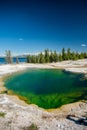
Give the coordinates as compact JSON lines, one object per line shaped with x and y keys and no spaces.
{"x":48,"y":88}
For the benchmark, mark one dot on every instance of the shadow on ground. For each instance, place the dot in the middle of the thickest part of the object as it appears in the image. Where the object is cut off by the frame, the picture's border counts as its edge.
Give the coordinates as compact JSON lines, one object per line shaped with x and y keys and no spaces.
{"x":78,"y":120}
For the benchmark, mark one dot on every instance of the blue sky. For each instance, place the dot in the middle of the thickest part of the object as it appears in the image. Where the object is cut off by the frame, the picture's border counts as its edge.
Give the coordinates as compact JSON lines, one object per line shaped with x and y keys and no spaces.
{"x":34,"y":25}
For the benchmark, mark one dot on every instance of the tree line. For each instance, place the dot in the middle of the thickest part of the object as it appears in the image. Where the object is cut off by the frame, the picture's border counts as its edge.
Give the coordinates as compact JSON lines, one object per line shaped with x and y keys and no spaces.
{"x":52,"y":56}
{"x":48,"y":56}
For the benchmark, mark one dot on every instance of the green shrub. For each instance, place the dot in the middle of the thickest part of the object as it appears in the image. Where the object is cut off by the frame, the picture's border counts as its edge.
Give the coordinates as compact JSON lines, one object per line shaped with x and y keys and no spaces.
{"x":2,"y":114}
{"x":31,"y":127}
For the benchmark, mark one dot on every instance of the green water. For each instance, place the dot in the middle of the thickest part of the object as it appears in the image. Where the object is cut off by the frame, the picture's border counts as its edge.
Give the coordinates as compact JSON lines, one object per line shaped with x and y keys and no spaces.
{"x":48,"y":88}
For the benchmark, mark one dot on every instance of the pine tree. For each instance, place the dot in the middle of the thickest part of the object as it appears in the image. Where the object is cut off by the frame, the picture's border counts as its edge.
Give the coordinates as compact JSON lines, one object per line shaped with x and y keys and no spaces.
{"x":63,"y":54}
{"x":51,"y":57}
{"x":42,"y":58}
{"x":73,"y":56}
{"x":77,"y":55}
{"x":47,"y":57}
{"x":33,"y":59}
{"x":68,"y":54}
{"x":81,"y":56}
{"x":60,"y":57}
{"x":28,"y":59}
{"x":55,"y":56}
{"x":8,"y":57}
{"x":85,"y":55}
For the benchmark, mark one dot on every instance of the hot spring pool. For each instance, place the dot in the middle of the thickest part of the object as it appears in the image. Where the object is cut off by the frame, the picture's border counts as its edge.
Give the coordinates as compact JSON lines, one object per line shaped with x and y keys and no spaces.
{"x":48,"y":88}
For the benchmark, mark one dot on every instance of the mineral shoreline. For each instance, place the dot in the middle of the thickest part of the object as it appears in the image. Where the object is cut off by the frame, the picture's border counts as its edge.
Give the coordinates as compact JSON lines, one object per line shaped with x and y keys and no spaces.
{"x":19,"y":115}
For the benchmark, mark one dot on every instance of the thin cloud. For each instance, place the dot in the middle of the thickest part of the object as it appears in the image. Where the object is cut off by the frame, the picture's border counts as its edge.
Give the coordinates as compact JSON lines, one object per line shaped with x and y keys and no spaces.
{"x":20,"y":39}
{"x":83,"y":45}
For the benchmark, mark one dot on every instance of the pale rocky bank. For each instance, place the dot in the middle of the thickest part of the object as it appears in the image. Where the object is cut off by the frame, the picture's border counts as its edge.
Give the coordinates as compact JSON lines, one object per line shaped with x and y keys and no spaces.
{"x":17,"y":115}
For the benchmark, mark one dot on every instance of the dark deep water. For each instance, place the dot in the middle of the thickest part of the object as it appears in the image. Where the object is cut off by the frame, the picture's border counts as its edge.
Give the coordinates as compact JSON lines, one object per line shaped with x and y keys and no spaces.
{"x":3,"y":61}
{"x":48,"y":88}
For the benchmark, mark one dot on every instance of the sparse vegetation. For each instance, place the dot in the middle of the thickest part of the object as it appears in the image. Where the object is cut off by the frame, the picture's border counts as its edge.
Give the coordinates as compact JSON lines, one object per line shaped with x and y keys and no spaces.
{"x":2,"y":114}
{"x":4,"y":92}
{"x":31,"y":127}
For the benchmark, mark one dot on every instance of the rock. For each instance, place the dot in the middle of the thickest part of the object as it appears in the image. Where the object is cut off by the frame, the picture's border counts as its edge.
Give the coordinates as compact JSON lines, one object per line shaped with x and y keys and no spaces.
{"x":19,"y":116}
